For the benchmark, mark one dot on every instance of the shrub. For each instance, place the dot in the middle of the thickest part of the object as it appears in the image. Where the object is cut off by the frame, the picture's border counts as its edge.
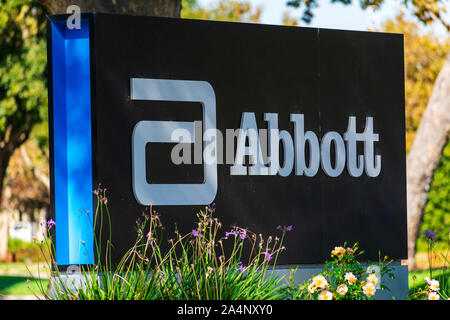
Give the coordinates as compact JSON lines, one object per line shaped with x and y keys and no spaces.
{"x":343,"y":278}
{"x":198,"y":266}
{"x":436,"y":215}
{"x":24,"y":251}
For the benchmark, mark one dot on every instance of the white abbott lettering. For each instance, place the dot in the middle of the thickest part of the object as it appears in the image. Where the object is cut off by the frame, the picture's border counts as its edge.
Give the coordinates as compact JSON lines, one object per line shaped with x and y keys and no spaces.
{"x":275,"y":137}
{"x":355,"y":163}
{"x":339,"y":154}
{"x":274,"y":142}
{"x":294,"y":150}
{"x":249,"y":129}
{"x":372,"y":163}
{"x":288,"y":147}
{"x":300,"y":139}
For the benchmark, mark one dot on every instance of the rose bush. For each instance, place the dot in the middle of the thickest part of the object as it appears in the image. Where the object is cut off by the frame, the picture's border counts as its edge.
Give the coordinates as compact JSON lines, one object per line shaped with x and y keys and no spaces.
{"x":343,"y":278}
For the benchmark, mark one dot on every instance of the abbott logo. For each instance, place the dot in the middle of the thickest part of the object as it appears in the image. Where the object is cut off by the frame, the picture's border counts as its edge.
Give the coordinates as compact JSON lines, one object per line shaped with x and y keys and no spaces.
{"x":163,"y":131}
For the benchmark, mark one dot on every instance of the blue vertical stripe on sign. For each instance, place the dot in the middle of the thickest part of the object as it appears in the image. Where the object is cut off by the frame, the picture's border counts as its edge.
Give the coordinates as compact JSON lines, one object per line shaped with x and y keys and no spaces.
{"x":72,"y":147}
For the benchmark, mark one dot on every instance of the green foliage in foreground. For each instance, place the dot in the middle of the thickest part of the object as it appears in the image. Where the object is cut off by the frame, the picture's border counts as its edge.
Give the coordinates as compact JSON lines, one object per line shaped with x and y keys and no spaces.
{"x":416,"y":278}
{"x":194,"y":267}
{"x":431,"y":285}
{"x":200,"y":265}
{"x":420,"y":284}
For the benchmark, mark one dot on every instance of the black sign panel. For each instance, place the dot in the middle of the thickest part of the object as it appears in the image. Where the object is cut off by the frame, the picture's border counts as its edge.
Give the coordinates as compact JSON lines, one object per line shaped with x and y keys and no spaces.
{"x":336,"y":84}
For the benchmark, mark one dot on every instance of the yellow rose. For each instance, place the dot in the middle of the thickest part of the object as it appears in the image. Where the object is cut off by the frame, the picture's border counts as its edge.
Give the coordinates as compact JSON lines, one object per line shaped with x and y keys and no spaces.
{"x":369,"y":289}
{"x":342,"y":289}
{"x":433,"y":296}
{"x":338,"y":252}
{"x":311,"y":288}
{"x":320,"y":282}
{"x":372,"y":278}
{"x":325,"y":295}
{"x":434,"y":285}
{"x":350,"y":277}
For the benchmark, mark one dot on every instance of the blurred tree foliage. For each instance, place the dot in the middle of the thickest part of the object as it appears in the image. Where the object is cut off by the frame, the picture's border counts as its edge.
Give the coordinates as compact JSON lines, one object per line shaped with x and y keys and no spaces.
{"x":24,"y":189}
{"x":288,"y":20}
{"x":424,"y":57}
{"x":23,"y":88}
{"x":225,"y":10}
{"x":426,"y":11}
{"x":26,"y":252}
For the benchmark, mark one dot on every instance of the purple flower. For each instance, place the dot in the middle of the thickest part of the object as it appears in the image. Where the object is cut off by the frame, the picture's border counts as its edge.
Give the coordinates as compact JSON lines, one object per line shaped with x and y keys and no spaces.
{"x":429,"y":234}
{"x":268,"y":255}
{"x":231,"y":233}
{"x":196,"y":234}
{"x":285,"y":228}
{"x":241,"y":266}
{"x":47,"y":224}
{"x":241,"y":233}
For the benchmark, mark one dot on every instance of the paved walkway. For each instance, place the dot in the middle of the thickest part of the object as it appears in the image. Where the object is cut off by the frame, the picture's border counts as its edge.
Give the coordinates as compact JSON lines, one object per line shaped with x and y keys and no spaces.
{"x":20,"y":298}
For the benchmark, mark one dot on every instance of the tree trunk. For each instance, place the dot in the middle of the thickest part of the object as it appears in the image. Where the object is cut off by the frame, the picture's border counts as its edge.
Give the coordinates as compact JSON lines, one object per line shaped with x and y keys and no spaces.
{"x":4,"y":235}
{"x":162,"y":8}
{"x":43,"y":178}
{"x":425,"y":153}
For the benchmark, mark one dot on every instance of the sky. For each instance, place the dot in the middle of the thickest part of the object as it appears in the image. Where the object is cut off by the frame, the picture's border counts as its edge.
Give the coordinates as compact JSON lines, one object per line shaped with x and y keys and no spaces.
{"x":337,"y":15}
